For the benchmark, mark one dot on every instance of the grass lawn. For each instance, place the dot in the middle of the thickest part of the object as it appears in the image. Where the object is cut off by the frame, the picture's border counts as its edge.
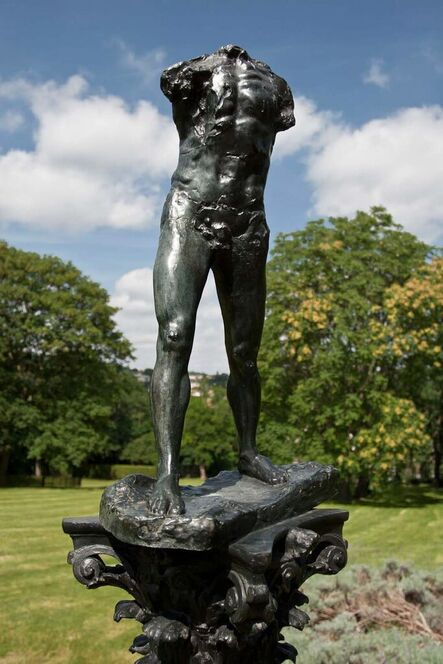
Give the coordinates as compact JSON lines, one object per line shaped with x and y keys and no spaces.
{"x":48,"y":618}
{"x":406,"y":524}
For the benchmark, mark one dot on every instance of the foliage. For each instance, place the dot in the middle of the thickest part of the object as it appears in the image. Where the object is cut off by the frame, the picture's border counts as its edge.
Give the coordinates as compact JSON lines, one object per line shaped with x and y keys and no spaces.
{"x":209,"y":434}
{"x":133,"y":432}
{"x":389,"y":614}
{"x":114,"y":471}
{"x":414,"y":315}
{"x":119,"y":470}
{"x":410,"y":333}
{"x":276,"y":440}
{"x":322,"y":373}
{"x":72,"y":436}
{"x":140,"y":450}
{"x":383,"y":449}
{"x":58,"y":350}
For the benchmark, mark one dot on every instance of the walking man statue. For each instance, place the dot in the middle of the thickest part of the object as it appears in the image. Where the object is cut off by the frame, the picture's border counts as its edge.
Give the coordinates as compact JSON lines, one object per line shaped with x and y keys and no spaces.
{"x":228,"y":108}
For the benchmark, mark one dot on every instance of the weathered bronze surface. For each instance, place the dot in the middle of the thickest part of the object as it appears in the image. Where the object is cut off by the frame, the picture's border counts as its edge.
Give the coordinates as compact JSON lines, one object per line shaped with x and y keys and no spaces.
{"x":228,"y":109}
{"x":225,"y":507}
{"x":225,"y":605}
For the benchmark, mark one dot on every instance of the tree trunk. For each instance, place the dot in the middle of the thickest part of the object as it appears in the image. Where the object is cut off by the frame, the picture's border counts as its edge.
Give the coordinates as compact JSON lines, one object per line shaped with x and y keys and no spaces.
{"x":438,"y":448}
{"x":4,"y":462}
{"x":38,"y":469}
{"x":362,"y":488}
{"x":345,"y":492}
{"x":203,"y":474}
{"x":438,"y":481}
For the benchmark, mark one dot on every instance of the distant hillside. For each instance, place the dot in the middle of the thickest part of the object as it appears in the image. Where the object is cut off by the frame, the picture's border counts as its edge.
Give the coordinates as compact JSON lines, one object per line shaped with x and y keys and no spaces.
{"x":197,"y":379}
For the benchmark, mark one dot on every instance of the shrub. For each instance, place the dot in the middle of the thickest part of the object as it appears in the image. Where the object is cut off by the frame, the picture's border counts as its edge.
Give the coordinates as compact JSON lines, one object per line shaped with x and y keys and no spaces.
{"x":365,"y":615}
{"x":107,"y":471}
{"x":119,"y":470}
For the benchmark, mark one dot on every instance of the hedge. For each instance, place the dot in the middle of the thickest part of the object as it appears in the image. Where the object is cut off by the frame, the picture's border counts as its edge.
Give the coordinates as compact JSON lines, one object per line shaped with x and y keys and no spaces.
{"x":106,"y":471}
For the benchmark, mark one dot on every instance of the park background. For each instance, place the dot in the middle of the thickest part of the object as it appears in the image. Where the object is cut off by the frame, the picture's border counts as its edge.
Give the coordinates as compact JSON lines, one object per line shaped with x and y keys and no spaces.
{"x":352,"y":351}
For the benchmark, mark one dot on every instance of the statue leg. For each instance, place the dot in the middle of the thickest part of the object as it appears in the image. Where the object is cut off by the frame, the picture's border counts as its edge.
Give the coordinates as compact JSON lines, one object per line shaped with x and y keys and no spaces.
{"x":180,"y":272}
{"x":240,"y":277}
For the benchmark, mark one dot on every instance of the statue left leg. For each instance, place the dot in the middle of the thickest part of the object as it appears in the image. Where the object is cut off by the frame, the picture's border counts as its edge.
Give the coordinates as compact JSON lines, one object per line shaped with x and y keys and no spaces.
{"x":240,"y":276}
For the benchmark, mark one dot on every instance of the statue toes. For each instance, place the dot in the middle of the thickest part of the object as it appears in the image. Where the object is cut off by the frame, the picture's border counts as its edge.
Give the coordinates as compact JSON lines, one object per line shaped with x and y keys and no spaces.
{"x":158,"y":505}
{"x":176,"y":506}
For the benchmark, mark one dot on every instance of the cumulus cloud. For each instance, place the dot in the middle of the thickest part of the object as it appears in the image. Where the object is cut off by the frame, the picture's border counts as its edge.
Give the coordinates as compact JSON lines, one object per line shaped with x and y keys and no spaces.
{"x":376,"y":75}
{"x":393,"y":161}
{"x":133,"y":294}
{"x":147,"y":66}
{"x":95,"y":162}
{"x":311,"y":125}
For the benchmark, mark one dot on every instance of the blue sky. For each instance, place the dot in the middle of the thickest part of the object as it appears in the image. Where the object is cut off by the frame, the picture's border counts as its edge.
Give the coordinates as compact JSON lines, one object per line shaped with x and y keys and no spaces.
{"x":87,"y":145}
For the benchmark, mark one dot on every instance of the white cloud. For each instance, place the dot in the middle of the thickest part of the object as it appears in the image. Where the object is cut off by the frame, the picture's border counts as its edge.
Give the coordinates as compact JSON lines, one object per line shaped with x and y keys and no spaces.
{"x":145,"y":65}
{"x":95,"y":162}
{"x":10,"y":121}
{"x":376,"y":75}
{"x":133,"y":294}
{"x":393,"y":161}
{"x":311,"y":124}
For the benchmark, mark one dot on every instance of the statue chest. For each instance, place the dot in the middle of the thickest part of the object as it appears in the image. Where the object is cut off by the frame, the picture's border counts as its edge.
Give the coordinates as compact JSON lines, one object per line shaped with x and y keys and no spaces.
{"x":237,"y":92}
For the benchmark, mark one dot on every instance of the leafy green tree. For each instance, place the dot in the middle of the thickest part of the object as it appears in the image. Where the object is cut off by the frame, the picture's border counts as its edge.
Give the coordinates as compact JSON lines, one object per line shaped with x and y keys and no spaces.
{"x":58,"y":347}
{"x":411,"y":334}
{"x":132,"y":416}
{"x":323,"y":378}
{"x":209,"y":435}
{"x":65,"y":442}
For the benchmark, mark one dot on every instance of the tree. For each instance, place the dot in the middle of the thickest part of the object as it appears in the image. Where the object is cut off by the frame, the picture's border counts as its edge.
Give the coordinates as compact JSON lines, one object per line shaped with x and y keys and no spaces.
{"x":209,"y":435}
{"x":411,"y":333}
{"x":322,"y":376}
{"x":58,"y":349}
{"x":132,"y":416}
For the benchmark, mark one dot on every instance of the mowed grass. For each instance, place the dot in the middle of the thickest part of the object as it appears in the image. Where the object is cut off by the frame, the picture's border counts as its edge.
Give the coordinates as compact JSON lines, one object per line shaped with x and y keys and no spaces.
{"x":48,"y":617}
{"x":405,"y":524}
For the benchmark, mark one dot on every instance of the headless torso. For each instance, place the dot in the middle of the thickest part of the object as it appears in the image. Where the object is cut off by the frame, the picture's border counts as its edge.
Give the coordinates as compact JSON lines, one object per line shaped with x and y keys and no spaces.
{"x":227,"y":108}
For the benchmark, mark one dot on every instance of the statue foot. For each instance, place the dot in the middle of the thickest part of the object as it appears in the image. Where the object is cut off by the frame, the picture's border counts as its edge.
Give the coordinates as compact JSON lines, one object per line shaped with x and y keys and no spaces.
{"x":165,"y":498}
{"x":260,"y":467}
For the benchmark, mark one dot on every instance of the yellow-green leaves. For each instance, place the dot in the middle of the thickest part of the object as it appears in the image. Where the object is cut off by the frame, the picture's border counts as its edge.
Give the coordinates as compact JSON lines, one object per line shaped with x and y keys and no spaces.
{"x":350,"y":303}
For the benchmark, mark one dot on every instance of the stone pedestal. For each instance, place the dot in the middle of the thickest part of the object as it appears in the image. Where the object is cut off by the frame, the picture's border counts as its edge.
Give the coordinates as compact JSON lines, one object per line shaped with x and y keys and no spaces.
{"x":217,"y":584}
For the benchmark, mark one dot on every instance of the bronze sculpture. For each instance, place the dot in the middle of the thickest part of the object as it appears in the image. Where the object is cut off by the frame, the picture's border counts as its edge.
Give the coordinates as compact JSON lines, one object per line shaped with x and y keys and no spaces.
{"x":228,"y":108}
{"x":217,"y":584}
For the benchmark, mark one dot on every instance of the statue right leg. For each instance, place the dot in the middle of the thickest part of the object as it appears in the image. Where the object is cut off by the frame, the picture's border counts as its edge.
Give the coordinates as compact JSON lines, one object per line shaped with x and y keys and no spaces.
{"x":180,"y":272}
